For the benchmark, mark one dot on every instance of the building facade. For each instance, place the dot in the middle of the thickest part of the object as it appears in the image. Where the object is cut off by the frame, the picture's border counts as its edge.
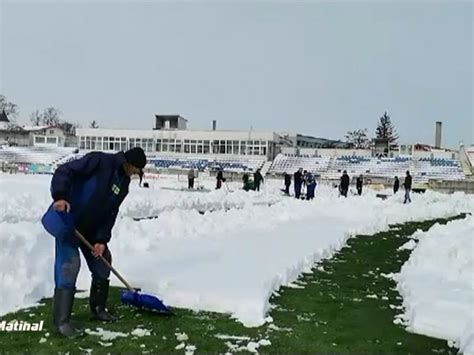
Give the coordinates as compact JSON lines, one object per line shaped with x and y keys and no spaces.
{"x":258,"y":143}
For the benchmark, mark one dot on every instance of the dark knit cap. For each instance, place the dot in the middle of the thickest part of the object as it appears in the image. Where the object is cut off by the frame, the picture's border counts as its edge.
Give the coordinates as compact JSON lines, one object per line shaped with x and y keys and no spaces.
{"x":136,"y":157}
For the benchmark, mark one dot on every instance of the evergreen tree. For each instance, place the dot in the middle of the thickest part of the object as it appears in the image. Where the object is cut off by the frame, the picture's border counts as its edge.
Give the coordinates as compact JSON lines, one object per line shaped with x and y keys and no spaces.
{"x":385,"y":129}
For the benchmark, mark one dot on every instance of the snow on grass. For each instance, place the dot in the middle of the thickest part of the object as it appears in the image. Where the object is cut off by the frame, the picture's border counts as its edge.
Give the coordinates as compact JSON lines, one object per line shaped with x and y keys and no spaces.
{"x":231,"y":337}
{"x":180,"y":346}
{"x":106,"y":335}
{"x":410,"y":245}
{"x":139,"y":332}
{"x":82,"y":294}
{"x":194,"y":260}
{"x":190,"y":349}
{"x":437,"y":284}
{"x":181,"y":336}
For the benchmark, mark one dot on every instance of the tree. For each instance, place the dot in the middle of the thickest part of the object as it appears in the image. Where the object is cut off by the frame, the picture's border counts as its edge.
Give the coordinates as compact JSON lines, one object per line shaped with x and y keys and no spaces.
{"x":385,"y":129}
{"x":67,"y":127}
{"x":93,"y":124}
{"x":36,"y":118}
{"x":10,"y":108}
{"x":50,"y":116}
{"x":358,"y":138}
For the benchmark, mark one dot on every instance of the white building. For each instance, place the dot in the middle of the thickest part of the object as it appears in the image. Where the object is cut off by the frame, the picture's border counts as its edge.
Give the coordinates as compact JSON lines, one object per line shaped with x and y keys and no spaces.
{"x":213,"y":142}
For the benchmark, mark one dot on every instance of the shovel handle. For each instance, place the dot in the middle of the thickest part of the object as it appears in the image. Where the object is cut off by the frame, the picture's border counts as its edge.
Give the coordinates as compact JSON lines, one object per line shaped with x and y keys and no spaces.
{"x":116,"y":273}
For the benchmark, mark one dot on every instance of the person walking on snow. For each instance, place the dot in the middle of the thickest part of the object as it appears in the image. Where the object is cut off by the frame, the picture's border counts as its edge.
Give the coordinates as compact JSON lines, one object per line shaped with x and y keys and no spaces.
{"x":396,"y":185}
{"x":245,"y":180}
{"x":359,"y":184}
{"x":220,"y":179}
{"x":407,"y":186}
{"x":87,"y":194}
{"x":257,"y":179}
{"x":344,"y":185}
{"x":287,"y":183}
{"x":191,"y":177}
{"x":298,"y":181}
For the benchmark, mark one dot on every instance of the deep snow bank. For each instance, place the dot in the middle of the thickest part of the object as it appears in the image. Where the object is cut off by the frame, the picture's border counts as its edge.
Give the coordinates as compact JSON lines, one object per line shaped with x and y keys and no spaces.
{"x":221,"y":261}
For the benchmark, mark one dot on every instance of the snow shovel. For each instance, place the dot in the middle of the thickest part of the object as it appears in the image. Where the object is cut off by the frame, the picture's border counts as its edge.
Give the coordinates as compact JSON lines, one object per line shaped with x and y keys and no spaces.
{"x":131,"y":296}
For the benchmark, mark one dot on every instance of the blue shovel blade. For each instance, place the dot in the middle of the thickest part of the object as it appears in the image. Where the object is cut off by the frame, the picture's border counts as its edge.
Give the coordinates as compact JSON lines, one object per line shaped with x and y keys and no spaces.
{"x":139,"y":300}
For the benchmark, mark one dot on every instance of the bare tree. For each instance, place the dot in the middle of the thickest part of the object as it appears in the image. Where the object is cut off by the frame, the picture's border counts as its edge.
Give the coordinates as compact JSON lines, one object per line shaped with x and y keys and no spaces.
{"x":10,"y":108}
{"x":51,"y":116}
{"x":67,"y":127}
{"x":358,"y":138}
{"x":36,"y":118}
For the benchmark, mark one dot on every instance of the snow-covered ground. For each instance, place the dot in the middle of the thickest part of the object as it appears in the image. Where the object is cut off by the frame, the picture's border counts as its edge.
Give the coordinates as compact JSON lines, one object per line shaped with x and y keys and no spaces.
{"x":229,"y":260}
{"x":437,"y":284}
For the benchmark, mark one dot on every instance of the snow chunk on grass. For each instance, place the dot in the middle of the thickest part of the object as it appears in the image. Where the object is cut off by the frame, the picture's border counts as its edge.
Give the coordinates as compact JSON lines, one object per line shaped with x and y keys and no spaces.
{"x":106,"y":335}
{"x":139,"y":332}
{"x":181,"y":336}
{"x":269,"y":319}
{"x":253,"y":346}
{"x":105,"y":345}
{"x":264,"y":342}
{"x":231,"y":337}
{"x":81,"y":294}
{"x":180,"y":346}
{"x":190,"y":349}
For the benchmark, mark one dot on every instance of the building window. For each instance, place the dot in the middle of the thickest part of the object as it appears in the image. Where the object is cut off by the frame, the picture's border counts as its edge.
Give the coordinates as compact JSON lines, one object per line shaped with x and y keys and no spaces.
{"x":235,"y":147}
{"x":243,"y":148}
{"x":179,"y":145}
{"x":215,"y":147}
{"x":40,"y":139}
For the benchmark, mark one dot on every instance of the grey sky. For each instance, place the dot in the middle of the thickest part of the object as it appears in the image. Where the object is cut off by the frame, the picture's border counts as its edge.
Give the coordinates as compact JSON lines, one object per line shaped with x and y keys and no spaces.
{"x":313,"y":67}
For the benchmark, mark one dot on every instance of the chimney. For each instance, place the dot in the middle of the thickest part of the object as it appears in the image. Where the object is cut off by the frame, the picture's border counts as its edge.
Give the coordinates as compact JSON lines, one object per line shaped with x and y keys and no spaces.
{"x":214,"y":125}
{"x":439,"y":126}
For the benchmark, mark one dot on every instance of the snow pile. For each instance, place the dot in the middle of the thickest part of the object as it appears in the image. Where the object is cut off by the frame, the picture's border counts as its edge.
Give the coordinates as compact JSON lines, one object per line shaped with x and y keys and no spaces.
{"x":230,"y":260}
{"x":437,"y":284}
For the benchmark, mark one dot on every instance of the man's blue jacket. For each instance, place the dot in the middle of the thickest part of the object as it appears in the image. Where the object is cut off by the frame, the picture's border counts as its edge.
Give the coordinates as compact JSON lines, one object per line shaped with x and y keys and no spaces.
{"x":95,"y":186}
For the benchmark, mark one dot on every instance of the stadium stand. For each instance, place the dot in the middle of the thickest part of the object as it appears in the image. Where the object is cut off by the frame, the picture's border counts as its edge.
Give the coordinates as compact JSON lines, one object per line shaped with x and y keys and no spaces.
{"x":45,"y":159}
{"x":34,"y":155}
{"x":422,"y":169}
{"x":290,"y":163}
{"x":233,"y":163}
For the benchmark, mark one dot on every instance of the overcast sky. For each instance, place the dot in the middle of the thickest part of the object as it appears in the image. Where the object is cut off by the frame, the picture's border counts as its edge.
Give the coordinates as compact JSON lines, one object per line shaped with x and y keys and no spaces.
{"x":316,"y":68}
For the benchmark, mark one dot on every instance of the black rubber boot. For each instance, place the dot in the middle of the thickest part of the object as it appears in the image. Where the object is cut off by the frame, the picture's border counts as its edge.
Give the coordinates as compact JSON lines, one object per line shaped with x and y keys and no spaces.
{"x":98,"y":300}
{"x":62,"y":308}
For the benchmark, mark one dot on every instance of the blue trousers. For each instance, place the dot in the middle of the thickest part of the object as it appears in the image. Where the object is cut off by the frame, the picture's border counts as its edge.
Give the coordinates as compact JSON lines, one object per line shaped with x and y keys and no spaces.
{"x":407,"y":196}
{"x":68,"y":262}
{"x":310,"y":191}
{"x":298,"y":189}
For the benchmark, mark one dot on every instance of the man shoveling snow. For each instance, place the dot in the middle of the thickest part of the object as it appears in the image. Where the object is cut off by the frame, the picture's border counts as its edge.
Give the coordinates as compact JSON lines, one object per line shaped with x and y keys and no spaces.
{"x":87,"y":194}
